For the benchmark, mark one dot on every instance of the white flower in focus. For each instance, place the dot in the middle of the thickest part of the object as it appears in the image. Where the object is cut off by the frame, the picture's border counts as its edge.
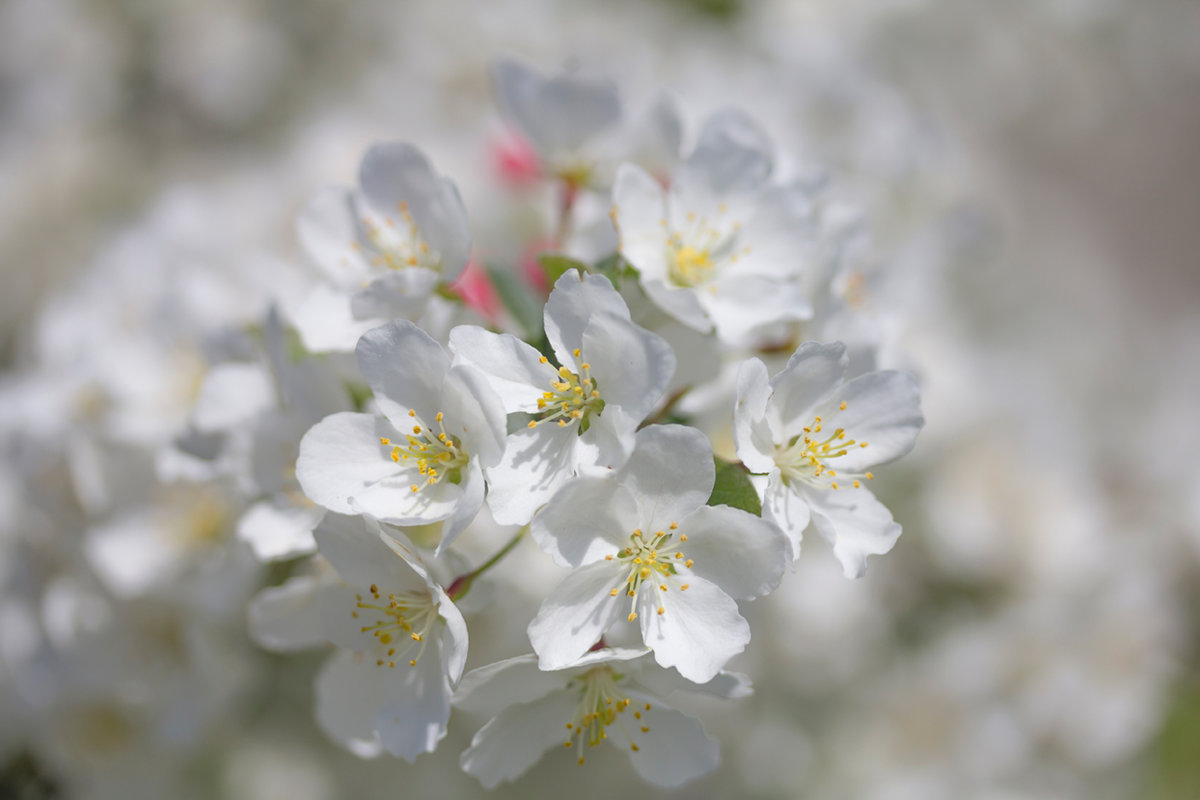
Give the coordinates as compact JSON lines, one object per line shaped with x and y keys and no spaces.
{"x":816,"y":436}
{"x":607,"y":695}
{"x":422,"y":460}
{"x":383,"y":247}
{"x":648,"y":549}
{"x":611,"y":374}
{"x":719,"y":247}
{"x":402,"y":642}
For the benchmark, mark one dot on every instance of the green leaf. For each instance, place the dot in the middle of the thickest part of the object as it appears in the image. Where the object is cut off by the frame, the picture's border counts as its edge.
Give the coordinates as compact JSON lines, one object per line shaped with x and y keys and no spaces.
{"x":554,"y":265}
{"x":733,"y":488}
{"x":518,"y":300}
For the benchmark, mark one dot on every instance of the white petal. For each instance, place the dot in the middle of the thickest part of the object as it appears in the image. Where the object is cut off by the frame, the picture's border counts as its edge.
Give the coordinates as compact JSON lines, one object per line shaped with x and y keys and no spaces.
{"x":347,"y":696}
{"x":639,"y":202}
{"x":415,"y":707}
{"x":739,"y":552}
{"x":395,"y":173}
{"x":883,"y":409}
{"x":855,"y":523}
{"x":343,"y":467}
{"x":474,"y":414}
{"x":277,"y":534}
{"x":455,"y":641}
{"x":586,"y":520}
{"x":558,"y":114}
{"x":670,"y":474}
{"x":233,"y":394}
{"x":328,"y":230}
{"x":536,"y":463}
{"x":283,"y":618}
{"x":517,"y":739}
{"x":514,"y":369}
{"x":607,"y":443}
{"x":739,"y":305}
{"x":699,"y":630}
{"x":732,"y":155}
{"x":465,"y":510}
{"x":679,"y":303}
{"x":490,"y":689}
{"x":397,"y":294}
{"x":812,"y":372}
{"x":576,"y":614}
{"x":787,"y":508}
{"x":325,"y":323}
{"x":675,"y":749}
{"x":632,"y":366}
{"x":751,"y":433}
{"x":361,"y":557}
{"x":571,"y":304}
{"x":405,"y":368}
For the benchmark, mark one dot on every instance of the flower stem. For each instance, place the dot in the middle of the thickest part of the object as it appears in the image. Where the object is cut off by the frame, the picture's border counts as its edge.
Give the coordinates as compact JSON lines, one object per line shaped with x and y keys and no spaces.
{"x":459,"y":587}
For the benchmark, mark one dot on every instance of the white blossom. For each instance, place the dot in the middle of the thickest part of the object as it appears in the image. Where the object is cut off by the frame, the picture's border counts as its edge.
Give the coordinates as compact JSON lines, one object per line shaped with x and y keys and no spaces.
{"x":816,"y":436}
{"x":646,"y":547}
{"x":610,"y":375}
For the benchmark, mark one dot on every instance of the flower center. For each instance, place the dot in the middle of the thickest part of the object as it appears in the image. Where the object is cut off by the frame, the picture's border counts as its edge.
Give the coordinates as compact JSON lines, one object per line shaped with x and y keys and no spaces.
{"x":600,"y":702}
{"x":436,"y":455}
{"x":805,"y":457}
{"x":573,"y":397}
{"x":397,"y":622}
{"x":398,"y":245}
{"x":698,"y":249}
{"x":649,"y":562}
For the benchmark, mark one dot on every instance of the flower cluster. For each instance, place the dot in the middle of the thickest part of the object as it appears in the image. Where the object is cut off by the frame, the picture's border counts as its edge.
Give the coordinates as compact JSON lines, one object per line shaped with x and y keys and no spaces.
{"x":574,"y":426}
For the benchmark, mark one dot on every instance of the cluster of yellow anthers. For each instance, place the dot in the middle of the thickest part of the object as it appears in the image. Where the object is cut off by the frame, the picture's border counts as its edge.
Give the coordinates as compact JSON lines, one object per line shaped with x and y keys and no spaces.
{"x":395,"y":248}
{"x":695,"y":253}
{"x":438,"y":456}
{"x":804,"y":457}
{"x":600,"y":701}
{"x":572,"y":398}
{"x":401,"y":619}
{"x":645,"y":562}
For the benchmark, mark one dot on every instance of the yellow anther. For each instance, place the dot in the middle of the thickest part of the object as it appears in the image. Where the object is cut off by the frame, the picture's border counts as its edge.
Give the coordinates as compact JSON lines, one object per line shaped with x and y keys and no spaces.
{"x":383,"y":440}
{"x":870,"y":475}
{"x":439,"y":416}
{"x":688,"y":563}
{"x":647,"y":706}
{"x":662,"y":586}
{"x":857,"y":485}
{"x":843,"y":405}
{"x":411,"y":663}
{"x":415,"y":488}
{"x":416,"y":428}
{"x":615,"y":592}
{"x":632,"y":616}
{"x":396,"y":455}
{"x":683,"y":537}
{"x":608,"y":557}
{"x":532,"y":423}
{"x":862,"y":444}
{"x":412,"y":413}
{"x":542,"y":359}
{"x":563,"y":372}
{"x":637,"y":715}
{"x":645,"y":729}
{"x":674,"y":526}
{"x":834,"y":484}
{"x":575,"y":353}
{"x":684,"y":588}
{"x":584,"y":365}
